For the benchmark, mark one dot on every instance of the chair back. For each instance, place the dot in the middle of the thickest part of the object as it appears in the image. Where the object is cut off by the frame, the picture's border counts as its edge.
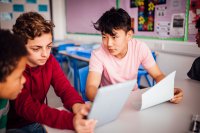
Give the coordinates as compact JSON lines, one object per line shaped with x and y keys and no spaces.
{"x":83,"y":73}
{"x":143,"y":72}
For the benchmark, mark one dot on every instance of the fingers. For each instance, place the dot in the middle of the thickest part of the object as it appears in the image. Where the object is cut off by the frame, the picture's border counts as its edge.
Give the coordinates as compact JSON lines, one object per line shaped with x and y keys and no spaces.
{"x":84,"y":110}
{"x":178,"y":96}
{"x":83,"y":125}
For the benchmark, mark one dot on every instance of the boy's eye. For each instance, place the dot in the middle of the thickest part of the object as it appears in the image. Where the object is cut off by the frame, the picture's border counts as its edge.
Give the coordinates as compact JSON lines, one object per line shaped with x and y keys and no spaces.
{"x":114,"y":37}
{"x":35,"y":49}
{"x":49,"y":47}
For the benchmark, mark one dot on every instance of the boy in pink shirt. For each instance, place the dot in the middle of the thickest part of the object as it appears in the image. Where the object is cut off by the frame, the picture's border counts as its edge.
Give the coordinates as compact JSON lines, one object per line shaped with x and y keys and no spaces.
{"x":119,"y":57}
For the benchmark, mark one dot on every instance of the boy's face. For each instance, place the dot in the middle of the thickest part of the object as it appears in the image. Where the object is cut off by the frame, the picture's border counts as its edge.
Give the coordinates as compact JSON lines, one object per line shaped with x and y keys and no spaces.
{"x":198,"y":38}
{"x":14,"y":82}
{"x":39,"y":50}
{"x":117,"y":45}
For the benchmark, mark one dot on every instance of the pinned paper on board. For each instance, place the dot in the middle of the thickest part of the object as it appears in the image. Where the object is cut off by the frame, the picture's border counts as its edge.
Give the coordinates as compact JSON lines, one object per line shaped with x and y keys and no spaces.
{"x":163,"y":29}
{"x":177,"y":25}
{"x":6,"y":16}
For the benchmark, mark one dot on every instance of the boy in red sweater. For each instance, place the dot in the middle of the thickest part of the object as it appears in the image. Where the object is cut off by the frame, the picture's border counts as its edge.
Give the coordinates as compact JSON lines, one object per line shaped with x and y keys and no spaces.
{"x":28,"y":111}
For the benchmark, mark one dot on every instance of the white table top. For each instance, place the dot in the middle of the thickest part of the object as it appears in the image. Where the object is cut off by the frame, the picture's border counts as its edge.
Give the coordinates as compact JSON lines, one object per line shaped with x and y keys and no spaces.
{"x":163,"y":118}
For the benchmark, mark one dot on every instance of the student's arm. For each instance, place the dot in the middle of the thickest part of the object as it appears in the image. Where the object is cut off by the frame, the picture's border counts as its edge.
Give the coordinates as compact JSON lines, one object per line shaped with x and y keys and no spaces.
{"x":157,"y":75}
{"x":93,"y":82}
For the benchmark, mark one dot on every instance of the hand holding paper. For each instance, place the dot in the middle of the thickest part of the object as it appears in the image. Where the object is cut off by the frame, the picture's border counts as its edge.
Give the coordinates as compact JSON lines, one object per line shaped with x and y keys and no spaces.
{"x":178,"y":96}
{"x":161,"y":92}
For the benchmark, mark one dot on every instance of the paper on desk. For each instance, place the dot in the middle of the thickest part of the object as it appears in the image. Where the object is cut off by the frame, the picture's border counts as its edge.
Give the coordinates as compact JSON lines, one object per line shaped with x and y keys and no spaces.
{"x":161,"y":92}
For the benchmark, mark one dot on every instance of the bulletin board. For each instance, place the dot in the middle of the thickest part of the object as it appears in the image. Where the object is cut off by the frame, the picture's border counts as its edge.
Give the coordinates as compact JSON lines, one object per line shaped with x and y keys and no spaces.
{"x":81,"y":14}
{"x":194,"y":15}
{"x":163,"y":19}
{"x":11,"y":9}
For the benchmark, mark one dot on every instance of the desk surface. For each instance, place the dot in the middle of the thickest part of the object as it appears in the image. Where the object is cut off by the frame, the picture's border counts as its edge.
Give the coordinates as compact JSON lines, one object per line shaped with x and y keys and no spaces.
{"x":165,"y":118}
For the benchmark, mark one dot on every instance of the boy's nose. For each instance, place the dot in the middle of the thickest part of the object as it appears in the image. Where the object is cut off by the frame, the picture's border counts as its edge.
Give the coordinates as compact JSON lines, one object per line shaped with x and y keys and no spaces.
{"x":44,"y":53}
{"x":110,"y":42}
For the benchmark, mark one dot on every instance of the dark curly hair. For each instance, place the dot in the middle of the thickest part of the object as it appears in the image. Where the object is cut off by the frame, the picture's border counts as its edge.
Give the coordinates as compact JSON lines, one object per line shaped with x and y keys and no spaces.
{"x":12,"y":49}
{"x":31,"y":24}
{"x":198,"y":24}
{"x":112,"y":20}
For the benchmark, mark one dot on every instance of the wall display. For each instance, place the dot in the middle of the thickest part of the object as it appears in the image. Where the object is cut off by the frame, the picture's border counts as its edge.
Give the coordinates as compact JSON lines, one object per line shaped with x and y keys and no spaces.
{"x":146,"y":10}
{"x":157,"y":18}
{"x":11,"y":9}
{"x":18,"y":8}
{"x":194,"y":14}
{"x":163,"y":29}
{"x":177,"y":25}
{"x":6,"y":16}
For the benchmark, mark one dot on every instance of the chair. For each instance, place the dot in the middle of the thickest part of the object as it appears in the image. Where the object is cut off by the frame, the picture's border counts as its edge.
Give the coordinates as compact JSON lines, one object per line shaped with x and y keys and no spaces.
{"x":60,"y":58}
{"x":143,"y":72}
{"x":83,"y":72}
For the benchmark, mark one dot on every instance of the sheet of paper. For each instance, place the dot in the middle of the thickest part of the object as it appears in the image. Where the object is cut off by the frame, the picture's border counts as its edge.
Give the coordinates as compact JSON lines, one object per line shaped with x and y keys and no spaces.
{"x":161,"y":92}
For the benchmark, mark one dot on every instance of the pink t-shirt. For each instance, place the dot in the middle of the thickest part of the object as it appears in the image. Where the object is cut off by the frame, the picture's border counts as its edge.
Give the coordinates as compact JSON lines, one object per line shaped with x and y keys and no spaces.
{"x":116,"y":70}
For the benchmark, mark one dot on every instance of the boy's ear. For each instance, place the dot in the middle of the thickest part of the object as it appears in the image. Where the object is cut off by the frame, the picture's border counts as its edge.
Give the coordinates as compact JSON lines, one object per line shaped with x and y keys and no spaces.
{"x":129,"y":34}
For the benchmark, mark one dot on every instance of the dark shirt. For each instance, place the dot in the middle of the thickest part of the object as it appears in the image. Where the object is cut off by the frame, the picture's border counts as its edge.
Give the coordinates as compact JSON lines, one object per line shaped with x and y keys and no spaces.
{"x":194,"y":72}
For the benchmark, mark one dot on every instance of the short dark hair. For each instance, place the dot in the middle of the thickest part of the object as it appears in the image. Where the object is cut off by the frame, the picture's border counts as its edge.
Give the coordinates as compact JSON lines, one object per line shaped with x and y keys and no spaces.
{"x":198,"y":24}
{"x":113,"y":19}
{"x":12,"y":49}
{"x":31,"y":24}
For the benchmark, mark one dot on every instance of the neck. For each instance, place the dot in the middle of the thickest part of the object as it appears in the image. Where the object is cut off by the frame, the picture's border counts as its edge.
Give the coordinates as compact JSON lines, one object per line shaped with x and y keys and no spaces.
{"x":123,"y":53}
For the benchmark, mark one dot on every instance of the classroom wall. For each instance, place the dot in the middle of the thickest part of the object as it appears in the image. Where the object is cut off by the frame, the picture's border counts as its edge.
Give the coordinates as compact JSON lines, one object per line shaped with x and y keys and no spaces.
{"x":58,"y":14}
{"x":11,"y":9}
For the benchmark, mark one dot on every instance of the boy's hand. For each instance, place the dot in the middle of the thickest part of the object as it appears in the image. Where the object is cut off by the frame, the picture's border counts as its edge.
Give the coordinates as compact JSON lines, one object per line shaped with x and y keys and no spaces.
{"x":178,"y":96}
{"x":82,"y":125}
{"x":82,"y":109}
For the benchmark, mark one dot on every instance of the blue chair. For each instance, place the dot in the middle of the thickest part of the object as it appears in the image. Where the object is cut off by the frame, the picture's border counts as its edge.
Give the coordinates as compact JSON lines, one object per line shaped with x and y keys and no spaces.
{"x":60,"y":58}
{"x":143,"y":72}
{"x":83,"y":72}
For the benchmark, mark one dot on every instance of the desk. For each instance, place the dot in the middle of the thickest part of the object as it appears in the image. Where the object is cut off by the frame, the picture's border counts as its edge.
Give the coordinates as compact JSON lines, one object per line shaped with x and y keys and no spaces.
{"x":163,"y":118}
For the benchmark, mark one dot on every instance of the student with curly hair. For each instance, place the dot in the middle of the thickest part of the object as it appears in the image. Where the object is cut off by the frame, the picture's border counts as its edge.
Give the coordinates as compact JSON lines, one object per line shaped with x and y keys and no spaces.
{"x":12,"y":64}
{"x":29,"y":110}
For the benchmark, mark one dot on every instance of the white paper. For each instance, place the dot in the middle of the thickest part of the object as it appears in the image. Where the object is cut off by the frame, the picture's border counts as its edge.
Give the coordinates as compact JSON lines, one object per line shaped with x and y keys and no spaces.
{"x":163,"y":29}
{"x":177,"y":25}
{"x":161,"y":92}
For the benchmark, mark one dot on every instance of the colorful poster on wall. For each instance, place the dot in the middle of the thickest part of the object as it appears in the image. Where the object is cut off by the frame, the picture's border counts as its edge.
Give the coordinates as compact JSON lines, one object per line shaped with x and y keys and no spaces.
{"x":146,"y":13}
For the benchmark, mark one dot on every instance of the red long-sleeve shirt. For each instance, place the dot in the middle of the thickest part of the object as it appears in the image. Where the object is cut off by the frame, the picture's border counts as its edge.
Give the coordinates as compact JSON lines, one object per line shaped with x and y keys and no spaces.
{"x":29,"y":106}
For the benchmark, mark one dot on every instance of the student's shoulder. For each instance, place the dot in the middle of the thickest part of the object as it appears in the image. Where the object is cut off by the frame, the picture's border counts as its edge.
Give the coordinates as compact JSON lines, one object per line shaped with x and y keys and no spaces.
{"x":137,"y":44}
{"x":99,"y":51}
{"x":197,"y":60}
